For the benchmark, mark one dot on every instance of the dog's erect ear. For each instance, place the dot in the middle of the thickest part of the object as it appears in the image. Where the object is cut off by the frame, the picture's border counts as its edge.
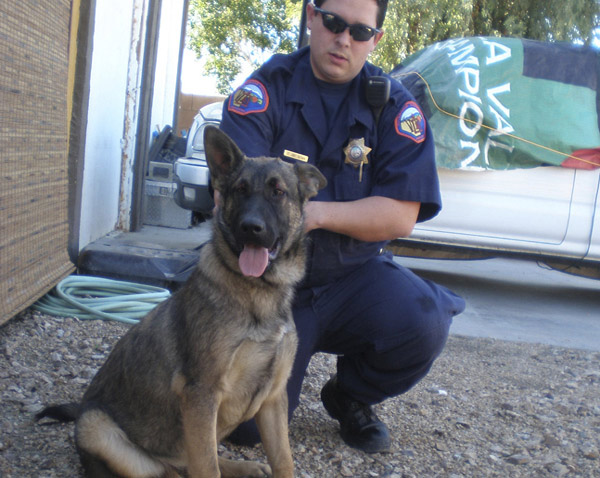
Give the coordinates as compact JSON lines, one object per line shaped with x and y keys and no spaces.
{"x":310,"y":180}
{"x":222,"y":155}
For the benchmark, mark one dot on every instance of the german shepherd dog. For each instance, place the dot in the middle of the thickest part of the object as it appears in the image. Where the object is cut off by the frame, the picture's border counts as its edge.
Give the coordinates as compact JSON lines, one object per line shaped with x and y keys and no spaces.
{"x":219,"y":351}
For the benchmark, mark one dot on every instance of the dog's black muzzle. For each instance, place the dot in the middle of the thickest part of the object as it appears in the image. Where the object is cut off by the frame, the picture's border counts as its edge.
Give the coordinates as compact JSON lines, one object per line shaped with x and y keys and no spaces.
{"x":256,"y":237}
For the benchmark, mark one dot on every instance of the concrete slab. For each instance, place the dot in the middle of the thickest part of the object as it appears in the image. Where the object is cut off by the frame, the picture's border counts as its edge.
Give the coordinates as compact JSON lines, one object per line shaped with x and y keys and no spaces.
{"x":519,"y":300}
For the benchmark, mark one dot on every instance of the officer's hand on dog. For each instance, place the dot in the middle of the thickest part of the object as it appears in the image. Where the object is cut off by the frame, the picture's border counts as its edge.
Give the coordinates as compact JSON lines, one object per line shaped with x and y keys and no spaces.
{"x":311,"y":214}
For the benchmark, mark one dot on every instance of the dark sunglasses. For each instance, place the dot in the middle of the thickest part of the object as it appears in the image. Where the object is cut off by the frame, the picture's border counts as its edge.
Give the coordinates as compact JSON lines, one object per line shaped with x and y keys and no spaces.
{"x":336,"y":24}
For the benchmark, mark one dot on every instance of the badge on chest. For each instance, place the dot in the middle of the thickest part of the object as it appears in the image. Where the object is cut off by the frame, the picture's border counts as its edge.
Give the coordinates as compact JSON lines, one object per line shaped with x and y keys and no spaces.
{"x":356,"y":154}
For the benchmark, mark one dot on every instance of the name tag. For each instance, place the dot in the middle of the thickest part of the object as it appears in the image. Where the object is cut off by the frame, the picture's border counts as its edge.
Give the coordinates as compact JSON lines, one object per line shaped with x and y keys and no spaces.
{"x":298,"y":156}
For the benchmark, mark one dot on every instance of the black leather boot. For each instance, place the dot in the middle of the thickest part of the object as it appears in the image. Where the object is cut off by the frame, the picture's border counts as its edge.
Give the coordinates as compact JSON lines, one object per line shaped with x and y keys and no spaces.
{"x":359,"y":426}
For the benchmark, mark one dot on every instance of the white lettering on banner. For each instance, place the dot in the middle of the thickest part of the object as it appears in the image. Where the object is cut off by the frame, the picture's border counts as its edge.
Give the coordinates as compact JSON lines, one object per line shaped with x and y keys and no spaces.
{"x":471,"y":98}
{"x":493,"y":48}
{"x":476,"y":105}
{"x":474,"y":146}
{"x":471,"y":78}
{"x":501,"y":124}
{"x":491,"y":94}
{"x":470,"y":128}
{"x":458,"y":57}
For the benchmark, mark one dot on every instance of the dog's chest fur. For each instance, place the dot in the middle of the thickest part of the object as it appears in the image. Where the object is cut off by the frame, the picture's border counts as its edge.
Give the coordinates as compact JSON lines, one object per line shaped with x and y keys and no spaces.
{"x":250,"y":345}
{"x":257,"y":371}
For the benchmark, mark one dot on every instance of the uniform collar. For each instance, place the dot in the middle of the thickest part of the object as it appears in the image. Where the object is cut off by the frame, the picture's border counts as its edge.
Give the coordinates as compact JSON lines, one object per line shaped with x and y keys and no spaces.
{"x":303,"y":87}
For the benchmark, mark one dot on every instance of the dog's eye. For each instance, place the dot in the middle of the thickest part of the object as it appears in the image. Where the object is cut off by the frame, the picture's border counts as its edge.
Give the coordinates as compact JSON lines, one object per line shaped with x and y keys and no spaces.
{"x":275,"y":187}
{"x":241,"y":188}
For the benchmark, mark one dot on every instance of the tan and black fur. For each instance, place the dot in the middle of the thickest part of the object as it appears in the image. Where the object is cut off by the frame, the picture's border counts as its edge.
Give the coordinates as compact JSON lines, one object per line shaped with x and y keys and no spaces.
{"x":219,"y":351}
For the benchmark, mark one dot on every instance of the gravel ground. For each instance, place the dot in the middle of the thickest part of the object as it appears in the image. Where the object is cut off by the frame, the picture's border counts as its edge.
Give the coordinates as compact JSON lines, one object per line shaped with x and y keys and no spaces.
{"x":488,"y":408}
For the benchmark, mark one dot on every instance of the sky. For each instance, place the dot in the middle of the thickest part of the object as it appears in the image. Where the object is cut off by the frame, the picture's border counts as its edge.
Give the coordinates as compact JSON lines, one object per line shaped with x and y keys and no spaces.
{"x":193,"y":79}
{"x":196,"y":82}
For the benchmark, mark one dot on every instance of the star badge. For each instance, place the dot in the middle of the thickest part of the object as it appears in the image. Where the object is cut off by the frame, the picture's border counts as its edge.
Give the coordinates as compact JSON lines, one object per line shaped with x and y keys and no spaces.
{"x":356,"y":154}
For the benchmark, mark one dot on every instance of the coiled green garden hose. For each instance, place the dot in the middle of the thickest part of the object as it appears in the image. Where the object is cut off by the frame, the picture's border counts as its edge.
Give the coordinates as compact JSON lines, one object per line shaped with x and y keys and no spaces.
{"x":87,"y":297}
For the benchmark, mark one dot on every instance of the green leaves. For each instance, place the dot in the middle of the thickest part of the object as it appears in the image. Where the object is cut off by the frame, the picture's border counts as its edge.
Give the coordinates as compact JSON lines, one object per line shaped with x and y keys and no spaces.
{"x":230,"y":33}
{"x":411,"y":25}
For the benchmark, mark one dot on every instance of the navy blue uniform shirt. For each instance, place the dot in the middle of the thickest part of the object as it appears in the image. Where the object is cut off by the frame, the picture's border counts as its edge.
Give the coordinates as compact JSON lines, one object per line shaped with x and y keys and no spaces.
{"x":278,"y":112}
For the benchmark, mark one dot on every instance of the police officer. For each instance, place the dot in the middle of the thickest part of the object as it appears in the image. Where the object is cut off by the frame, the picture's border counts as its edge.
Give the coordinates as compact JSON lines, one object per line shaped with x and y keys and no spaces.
{"x":386,"y":325}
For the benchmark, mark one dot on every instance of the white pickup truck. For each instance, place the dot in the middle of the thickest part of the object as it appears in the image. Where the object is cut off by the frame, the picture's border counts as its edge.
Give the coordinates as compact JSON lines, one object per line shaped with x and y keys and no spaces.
{"x":546,"y":212}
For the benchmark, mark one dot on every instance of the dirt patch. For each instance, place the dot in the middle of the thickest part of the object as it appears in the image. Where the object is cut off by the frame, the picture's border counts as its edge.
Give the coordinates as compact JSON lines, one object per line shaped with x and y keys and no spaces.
{"x":488,"y":408}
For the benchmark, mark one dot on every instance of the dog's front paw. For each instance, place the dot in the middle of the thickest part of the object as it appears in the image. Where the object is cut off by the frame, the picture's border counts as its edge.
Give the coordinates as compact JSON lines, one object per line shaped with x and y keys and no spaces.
{"x":238,"y":469}
{"x":257,"y":470}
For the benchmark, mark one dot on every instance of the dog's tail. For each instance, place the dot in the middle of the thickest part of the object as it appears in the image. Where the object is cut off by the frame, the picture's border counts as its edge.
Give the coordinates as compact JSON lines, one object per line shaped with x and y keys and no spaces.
{"x":66,"y":412}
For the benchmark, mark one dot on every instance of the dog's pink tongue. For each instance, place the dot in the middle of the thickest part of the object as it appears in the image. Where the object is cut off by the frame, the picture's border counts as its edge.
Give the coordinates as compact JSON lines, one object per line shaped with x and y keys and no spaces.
{"x":254,"y":260}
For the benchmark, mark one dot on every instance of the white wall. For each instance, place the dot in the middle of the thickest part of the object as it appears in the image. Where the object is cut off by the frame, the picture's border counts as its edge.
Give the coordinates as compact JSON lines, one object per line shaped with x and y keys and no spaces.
{"x":106,"y":108}
{"x":116,"y":68}
{"x":167,"y":61}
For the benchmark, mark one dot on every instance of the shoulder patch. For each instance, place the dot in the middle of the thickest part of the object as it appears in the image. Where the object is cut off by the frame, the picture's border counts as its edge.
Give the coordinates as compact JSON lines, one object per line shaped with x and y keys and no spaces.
{"x":251,"y":97}
{"x":410,"y":122}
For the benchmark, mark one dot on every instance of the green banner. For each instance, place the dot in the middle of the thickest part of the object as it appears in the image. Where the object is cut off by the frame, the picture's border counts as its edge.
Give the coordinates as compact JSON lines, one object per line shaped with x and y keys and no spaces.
{"x":507,"y":103}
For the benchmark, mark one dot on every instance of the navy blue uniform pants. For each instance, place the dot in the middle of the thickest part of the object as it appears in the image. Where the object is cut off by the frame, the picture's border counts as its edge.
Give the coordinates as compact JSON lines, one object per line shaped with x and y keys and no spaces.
{"x":386,"y":324}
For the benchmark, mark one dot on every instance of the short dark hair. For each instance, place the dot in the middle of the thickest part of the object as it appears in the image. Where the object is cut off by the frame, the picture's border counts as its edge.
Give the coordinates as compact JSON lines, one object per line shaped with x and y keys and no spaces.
{"x":381,"y":10}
